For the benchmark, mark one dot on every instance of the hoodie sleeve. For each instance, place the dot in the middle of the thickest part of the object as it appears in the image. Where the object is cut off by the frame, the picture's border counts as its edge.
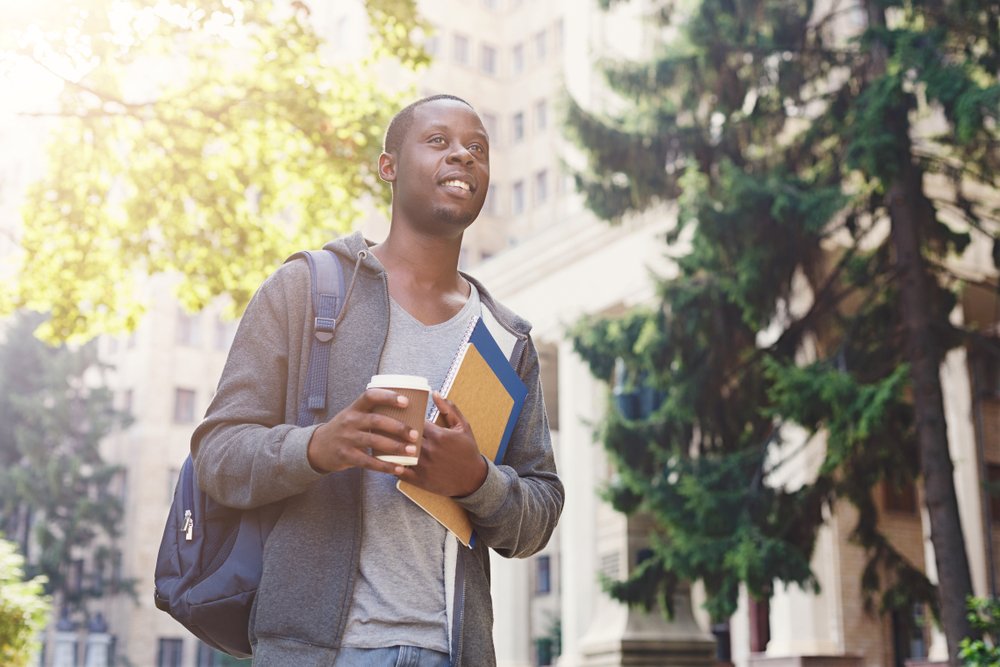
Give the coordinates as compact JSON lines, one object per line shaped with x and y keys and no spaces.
{"x":516,"y":509}
{"x":246,"y":453}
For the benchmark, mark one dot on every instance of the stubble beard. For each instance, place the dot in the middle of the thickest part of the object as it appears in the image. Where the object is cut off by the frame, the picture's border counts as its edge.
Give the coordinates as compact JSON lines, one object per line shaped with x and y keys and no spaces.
{"x":452,"y":217}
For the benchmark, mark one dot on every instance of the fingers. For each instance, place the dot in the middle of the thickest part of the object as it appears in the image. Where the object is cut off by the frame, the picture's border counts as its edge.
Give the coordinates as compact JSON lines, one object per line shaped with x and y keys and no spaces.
{"x":452,"y":415}
{"x":361,"y":459}
{"x":372,"y":422}
{"x":374,"y":397}
{"x":358,"y":433}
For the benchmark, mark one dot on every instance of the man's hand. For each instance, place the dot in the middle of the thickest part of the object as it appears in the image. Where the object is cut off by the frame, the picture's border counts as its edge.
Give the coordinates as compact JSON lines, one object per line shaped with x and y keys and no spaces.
{"x":344,"y":441}
{"x":450,"y":463}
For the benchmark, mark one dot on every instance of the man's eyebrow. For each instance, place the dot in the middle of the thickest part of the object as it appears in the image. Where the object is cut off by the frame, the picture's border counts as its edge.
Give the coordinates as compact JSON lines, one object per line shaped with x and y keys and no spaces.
{"x":438,"y":125}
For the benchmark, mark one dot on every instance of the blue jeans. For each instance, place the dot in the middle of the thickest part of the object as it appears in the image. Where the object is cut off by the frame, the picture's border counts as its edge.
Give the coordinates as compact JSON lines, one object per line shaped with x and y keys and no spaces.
{"x":394,"y":656}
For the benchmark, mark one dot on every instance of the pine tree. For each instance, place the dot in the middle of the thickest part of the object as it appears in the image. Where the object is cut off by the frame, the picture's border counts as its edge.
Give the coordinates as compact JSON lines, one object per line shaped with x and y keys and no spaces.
{"x":57,"y":495}
{"x":818,"y":149}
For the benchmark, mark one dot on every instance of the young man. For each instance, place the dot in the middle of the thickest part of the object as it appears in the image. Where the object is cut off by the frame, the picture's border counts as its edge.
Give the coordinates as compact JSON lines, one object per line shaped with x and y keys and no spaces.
{"x":355,"y":573}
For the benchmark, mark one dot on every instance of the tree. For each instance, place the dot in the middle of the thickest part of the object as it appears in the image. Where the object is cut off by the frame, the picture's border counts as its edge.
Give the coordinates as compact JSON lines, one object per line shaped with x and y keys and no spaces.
{"x":208,"y":138}
{"x":808,"y":156}
{"x":57,"y":496}
{"x":24,"y":610}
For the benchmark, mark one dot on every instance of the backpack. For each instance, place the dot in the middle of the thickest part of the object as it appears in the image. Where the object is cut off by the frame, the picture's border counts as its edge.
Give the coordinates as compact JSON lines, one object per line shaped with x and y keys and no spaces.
{"x":211,"y":557}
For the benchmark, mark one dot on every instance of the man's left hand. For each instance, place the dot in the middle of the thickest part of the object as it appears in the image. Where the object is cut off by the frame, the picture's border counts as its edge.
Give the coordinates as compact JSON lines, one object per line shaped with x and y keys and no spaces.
{"x":450,"y":463}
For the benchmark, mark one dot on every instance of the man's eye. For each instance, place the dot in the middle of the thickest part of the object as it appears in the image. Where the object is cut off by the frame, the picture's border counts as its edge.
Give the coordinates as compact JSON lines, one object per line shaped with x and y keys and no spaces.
{"x":477,"y":147}
{"x":437,"y":140}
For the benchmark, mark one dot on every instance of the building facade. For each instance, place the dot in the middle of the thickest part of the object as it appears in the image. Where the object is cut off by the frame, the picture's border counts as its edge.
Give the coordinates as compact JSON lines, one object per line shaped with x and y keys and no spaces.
{"x":544,"y":255}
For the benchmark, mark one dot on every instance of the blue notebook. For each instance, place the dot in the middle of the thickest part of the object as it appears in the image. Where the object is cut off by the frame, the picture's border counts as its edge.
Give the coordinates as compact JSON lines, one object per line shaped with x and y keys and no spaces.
{"x":488,"y":392}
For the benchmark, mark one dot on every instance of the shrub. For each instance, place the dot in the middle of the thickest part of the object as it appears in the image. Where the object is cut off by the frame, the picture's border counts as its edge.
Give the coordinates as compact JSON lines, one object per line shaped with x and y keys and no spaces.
{"x":24,"y":609}
{"x":984,"y":615}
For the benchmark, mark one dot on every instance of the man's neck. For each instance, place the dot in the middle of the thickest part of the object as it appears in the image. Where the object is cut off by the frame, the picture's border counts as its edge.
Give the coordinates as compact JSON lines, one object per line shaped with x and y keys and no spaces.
{"x":423,"y":275}
{"x":429,"y":262}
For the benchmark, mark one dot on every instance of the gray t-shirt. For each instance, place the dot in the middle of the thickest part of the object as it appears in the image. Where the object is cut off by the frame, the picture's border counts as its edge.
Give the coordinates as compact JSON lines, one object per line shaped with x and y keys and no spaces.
{"x":399,"y":598}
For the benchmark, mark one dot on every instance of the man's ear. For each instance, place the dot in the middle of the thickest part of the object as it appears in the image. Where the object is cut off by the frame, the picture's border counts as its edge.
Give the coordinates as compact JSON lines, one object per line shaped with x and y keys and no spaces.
{"x":387,"y":167}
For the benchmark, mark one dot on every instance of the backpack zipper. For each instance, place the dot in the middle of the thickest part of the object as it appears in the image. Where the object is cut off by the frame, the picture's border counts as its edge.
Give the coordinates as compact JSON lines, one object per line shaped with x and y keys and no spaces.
{"x":188,"y":526}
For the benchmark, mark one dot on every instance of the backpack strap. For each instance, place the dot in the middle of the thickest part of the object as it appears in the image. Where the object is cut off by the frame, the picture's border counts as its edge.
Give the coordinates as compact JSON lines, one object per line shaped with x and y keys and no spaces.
{"x":326,"y":284}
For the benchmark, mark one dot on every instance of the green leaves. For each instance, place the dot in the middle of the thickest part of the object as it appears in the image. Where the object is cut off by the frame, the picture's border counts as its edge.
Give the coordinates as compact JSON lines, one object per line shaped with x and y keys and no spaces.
{"x":982,"y":651}
{"x":779,"y":136}
{"x":214,"y":167}
{"x":24,"y":609}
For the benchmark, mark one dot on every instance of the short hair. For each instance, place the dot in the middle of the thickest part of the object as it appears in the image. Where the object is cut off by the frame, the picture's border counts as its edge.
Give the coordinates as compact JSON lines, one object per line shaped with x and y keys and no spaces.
{"x":401,"y":122}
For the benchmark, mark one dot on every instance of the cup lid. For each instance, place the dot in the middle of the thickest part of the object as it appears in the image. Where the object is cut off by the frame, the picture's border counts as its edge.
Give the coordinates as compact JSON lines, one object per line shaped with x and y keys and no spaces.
{"x":400,"y":381}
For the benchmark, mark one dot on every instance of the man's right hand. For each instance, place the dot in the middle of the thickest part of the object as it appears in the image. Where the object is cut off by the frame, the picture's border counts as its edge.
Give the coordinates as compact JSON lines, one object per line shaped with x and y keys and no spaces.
{"x":344,"y":441}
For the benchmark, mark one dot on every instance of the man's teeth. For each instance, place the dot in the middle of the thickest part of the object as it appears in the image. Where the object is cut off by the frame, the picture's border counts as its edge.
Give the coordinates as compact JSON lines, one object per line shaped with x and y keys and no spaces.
{"x":458,"y":184}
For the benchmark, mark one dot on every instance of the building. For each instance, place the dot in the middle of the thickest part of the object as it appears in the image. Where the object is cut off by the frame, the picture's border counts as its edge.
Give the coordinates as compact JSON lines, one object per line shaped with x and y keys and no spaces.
{"x":543,"y":254}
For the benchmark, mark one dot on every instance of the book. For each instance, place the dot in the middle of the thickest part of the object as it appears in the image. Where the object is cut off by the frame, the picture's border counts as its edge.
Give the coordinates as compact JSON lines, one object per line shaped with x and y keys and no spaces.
{"x":487,"y":390}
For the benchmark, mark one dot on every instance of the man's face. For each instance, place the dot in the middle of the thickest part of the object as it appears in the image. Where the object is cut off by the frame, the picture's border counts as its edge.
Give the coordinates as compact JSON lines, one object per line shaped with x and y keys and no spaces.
{"x":442,"y":169}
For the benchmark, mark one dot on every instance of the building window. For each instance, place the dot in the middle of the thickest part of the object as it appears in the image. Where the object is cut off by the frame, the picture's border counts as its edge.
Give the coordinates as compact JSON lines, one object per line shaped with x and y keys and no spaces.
{"x":564,"y":183}
{"x":541,"y":114}
{"x":609,"y":564}
{"x":760,"y":625}
{"x":431,"y":45}
{"x":97,"y":578}
{"x":224,"y":333}
{"x":488,"y":60}
{"x":543,"y":651}
{"x":490,"y":205}
{"x":559,"y":35}
{"x":541,"y":186}
{"x":899,"y":499}
{"x":208,"y":656}
{"x":541,"y":46}
{"x":169,"y":652}
{"x":460,"y":49}
{"x":517,"y":198}
{"x":117,"y":571}
{"x":543,"y":575}
{"x":517,"y":127}
{"x":188,"y":329}
{"x":183,"y":406}
{"x":74,"y":578}
{"x":517,"y":58}
{"x":908,"y":640}
{"x":118,"y":486}
{"x":993,"y":488}
{"x":490,"y":123}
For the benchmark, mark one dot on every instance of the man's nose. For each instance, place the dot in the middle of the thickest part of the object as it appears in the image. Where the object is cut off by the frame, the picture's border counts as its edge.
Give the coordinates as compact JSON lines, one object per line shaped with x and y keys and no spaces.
{"x":460,"y":153}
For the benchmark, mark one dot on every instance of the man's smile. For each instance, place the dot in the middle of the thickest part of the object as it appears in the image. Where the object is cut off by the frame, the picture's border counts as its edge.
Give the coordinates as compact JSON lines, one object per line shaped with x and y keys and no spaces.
{"x":465,"y":185}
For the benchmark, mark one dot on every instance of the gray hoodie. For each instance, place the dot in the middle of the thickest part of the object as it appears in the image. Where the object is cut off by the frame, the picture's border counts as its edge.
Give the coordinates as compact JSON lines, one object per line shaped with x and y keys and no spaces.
{"x":248,"y":452}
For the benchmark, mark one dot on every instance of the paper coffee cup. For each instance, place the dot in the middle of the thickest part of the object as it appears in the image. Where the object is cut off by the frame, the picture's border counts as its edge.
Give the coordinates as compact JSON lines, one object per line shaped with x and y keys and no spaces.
{"x":415,"y":388}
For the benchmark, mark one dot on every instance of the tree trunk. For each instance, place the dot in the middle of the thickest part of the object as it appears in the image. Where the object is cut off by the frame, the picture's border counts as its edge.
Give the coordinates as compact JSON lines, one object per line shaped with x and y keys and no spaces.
{"x":907,"y":204}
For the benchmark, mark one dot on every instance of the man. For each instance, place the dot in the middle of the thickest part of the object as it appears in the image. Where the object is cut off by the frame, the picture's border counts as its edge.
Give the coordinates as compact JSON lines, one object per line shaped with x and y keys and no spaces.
{"x":354,"y":573}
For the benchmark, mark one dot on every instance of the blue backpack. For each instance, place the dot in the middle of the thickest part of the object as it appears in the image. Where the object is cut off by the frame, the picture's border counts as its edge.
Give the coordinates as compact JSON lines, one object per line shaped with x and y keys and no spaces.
{"x":211,"y":556}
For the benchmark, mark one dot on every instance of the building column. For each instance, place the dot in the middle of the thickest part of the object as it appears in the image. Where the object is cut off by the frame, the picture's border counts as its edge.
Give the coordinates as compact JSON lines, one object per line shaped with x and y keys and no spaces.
{"x":581,"y":402}
{"x":64,"y":642}
{"x":599,"y":631}
{"x":98,"y":653}
{"x":624,"y":635}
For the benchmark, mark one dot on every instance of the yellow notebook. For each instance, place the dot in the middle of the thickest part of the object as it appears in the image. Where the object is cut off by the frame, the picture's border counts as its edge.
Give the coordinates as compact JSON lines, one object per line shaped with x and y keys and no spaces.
{"x":490,"y":395}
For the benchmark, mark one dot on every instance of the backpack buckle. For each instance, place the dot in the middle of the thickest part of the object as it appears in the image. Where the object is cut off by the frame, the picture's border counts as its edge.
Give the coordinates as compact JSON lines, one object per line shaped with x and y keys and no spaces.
{"x":323,"y":328}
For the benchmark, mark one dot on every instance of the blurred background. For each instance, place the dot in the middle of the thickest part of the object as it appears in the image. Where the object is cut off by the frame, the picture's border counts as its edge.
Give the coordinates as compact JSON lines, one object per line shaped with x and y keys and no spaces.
{"x":757,"y":240}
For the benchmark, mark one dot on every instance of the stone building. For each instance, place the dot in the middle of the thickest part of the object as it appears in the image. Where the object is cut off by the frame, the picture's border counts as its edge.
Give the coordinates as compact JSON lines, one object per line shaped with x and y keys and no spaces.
{"x":543,"y":254}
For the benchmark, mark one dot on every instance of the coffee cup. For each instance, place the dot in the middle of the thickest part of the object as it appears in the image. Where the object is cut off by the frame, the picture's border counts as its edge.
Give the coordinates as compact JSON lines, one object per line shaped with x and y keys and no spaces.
{"x":417,"y":390}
